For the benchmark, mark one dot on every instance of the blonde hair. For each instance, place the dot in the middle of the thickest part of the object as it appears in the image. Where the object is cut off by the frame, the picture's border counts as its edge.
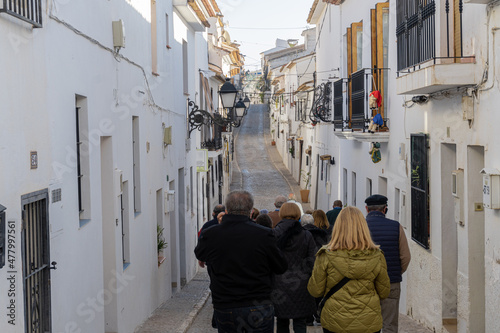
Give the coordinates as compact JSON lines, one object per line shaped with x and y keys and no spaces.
{"x":320,"y":219}
{"x":351,"y":232}
{"x":290,"y":211}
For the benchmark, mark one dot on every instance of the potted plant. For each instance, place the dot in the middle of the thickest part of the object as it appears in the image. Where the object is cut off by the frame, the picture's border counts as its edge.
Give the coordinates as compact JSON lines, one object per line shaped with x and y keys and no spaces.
{"x":273,"y":143}
{"x":306,"y":177}
{"x":161,"y":244}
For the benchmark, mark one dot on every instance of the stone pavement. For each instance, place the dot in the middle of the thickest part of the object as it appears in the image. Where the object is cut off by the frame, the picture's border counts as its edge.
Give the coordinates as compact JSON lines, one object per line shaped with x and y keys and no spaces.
{"x":179,"y":313}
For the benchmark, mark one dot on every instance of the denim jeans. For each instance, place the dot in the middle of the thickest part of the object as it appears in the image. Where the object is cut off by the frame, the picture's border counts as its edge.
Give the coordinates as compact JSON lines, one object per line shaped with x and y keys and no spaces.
{"x":283,"y":325}
{"x":252,"y":319}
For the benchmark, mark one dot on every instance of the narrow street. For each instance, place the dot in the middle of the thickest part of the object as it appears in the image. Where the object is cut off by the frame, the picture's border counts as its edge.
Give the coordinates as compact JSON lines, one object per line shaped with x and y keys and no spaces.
{"x":258,"y":171}
{"x":255,"y":169}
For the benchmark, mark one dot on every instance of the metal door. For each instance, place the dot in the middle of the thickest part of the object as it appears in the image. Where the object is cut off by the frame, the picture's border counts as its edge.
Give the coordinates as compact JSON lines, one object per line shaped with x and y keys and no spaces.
{"x":36,"y":259}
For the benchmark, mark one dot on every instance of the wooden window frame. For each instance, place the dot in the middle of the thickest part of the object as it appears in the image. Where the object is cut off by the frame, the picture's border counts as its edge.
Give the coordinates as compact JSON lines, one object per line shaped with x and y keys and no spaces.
{"x":377,"y":50}
{"x":352,"y":57}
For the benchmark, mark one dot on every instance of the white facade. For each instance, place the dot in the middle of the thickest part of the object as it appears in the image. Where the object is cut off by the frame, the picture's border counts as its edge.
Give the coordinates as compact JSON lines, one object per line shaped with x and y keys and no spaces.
{"x":107,"y":277}
{"x":452,"y":279}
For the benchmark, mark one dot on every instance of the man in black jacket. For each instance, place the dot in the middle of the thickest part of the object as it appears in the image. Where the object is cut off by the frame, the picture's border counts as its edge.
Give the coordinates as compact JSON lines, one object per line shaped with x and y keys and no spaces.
{"x":243,"y":257}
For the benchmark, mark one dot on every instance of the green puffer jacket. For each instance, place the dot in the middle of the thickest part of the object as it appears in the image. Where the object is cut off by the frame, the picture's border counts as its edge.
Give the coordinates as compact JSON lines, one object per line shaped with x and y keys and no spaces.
{"x":355,"y":308}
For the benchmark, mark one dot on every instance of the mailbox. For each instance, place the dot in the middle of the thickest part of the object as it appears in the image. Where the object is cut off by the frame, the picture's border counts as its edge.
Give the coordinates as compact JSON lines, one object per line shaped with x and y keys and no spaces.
{"x":491,"y":188}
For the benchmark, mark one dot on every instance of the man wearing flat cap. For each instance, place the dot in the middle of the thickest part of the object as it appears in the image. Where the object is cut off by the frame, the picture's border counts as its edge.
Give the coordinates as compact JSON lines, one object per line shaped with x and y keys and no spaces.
{"x":389,"y":234}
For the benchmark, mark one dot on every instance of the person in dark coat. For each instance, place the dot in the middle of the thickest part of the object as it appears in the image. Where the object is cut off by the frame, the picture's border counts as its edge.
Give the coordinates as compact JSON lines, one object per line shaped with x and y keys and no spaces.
{"x":331,"y":215}
{"x":217,"y":209}
{"x":243,"y":257}
{"x":320,"y":236}
{"x":264,"y":220}
{"x":321,"y":222}
{"x":290,"y":296}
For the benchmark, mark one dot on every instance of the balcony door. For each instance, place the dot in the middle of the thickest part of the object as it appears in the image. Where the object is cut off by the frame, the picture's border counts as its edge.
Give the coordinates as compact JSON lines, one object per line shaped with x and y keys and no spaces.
{"x":380,"y":52}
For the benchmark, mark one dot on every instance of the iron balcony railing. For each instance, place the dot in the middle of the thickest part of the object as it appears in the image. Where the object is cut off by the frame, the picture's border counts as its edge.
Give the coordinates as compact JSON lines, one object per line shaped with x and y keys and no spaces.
{"x":27,"y":10}
{"x":416,"y":32}
{"x":214,"y":144}
{"x":321,"y":107}
{"x":351,"y":110}
{"x":340,"y":104}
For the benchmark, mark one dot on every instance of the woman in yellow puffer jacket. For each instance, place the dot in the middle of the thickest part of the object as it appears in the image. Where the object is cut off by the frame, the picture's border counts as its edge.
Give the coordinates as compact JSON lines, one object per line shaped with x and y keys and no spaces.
{"x":351,"y":253}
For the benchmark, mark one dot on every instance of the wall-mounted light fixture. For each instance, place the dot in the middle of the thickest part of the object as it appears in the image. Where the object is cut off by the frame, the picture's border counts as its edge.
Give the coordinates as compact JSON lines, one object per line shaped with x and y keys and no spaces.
{"x":237,"y":110}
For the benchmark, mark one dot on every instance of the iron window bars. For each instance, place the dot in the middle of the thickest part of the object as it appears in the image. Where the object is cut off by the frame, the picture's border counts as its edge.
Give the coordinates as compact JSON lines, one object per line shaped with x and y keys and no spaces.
{"x":29,"y":11}
{"x":416,"y":32}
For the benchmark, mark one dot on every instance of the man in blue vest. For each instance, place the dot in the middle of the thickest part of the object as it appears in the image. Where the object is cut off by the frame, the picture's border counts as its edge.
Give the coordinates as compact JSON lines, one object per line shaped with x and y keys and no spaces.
{"x":389,"y":234}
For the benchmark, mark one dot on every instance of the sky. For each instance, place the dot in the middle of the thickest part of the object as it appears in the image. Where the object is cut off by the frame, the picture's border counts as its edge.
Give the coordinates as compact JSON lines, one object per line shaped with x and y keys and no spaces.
{"x":256,"y":24}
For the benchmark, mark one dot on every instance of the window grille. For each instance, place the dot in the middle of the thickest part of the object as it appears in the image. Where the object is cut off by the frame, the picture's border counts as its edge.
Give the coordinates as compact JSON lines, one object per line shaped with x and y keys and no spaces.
{"x":415,"y":32}
{"x":419,"y":190}
{"x":29,"y":11}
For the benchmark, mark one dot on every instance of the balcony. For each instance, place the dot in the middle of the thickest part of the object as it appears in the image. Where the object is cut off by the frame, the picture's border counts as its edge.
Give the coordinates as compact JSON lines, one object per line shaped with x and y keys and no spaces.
{"x":321,"y":109}
{"x":29,"y":11}
{"x":422,"y":67}
{"x":351,"y":112}
{"x":212,"y":145}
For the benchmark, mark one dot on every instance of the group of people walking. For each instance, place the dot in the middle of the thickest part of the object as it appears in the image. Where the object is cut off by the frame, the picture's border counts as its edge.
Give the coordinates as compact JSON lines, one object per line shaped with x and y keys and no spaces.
{"x":333,"y":259}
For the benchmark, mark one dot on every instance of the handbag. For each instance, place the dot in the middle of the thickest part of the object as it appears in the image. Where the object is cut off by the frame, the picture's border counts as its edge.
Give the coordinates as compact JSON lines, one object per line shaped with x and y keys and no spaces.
{"x":332,"y":291}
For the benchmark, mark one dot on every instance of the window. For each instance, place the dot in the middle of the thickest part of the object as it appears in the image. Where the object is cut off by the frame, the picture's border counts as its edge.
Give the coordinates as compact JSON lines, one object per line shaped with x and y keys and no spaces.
{"x":124,"y":199}
{"x":419,"y":190}
{"x":167,"y":31}
{"x":136,"y":164}
{"x":82,"y":158}
{"x":28,"y":11}
{"x":345,"y":186}
{"x":415,"y":32}
{"x":354,"y":47}
{"x":380,"y":51}
{"x":354,"y":64}
{"x":185,"y":71}
{"x":368,"y":187}
{"x":353,"y":192}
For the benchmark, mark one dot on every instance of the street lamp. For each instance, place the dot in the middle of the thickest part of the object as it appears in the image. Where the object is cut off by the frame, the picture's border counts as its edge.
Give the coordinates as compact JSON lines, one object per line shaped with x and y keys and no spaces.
{"x":237,"y":111}
{"x":247,"y":102}
{"x":228,"y":94}
{"x":240,"y":108}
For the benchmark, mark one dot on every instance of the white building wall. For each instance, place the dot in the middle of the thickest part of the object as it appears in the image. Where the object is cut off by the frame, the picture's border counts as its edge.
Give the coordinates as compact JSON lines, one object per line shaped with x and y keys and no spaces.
{"x":52,"y":65}
{"x":442,"y":118}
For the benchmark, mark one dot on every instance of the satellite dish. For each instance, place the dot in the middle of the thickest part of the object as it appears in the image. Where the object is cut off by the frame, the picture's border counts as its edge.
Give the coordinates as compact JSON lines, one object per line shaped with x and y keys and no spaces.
{"x":292,"y":42}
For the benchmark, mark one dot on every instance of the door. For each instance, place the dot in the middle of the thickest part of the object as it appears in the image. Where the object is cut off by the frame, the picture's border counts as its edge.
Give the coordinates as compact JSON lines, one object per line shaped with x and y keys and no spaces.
{"x":35,"y":251}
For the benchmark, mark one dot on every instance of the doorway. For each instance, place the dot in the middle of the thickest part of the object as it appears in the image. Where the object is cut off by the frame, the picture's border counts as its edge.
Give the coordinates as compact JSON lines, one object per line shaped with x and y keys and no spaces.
{"x":475,"y":230}
{"x":182,"y":226}
{"x":449,"y":245}
{"x":35,"y":251}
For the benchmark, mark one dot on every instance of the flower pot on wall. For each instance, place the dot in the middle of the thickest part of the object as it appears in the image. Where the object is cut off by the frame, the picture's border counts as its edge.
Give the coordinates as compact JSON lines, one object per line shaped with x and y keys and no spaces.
{"x":273,"y":143}
{"x":304,"y":195}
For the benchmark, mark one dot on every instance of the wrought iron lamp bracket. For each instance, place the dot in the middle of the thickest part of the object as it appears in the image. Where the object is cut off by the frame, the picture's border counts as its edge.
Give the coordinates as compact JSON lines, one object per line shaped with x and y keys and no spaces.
{"x":198,"y":118}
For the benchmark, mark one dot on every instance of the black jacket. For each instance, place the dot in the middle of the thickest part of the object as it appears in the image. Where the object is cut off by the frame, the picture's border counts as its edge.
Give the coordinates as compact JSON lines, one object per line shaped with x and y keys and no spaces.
{"x":290,"y":296}
{"x":320,"y":236}
{"x":243,"y":257}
